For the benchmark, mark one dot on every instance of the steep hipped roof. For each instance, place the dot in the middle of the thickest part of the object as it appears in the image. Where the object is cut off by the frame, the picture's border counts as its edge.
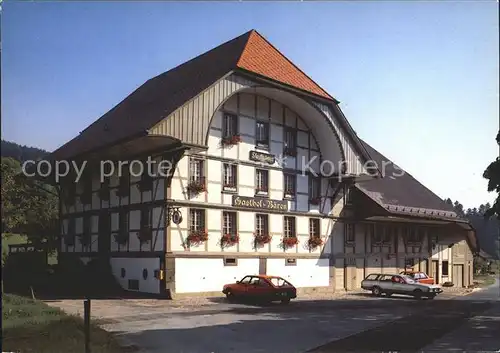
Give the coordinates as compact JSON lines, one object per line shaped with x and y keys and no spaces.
{"x":402,"y":193}
{"x":161,"y":95}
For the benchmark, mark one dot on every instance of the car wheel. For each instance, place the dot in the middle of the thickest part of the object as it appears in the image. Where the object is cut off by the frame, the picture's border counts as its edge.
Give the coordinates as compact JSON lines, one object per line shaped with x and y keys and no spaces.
{"x":376,"y":291}
{"x":285,"y":301}
{"x":417,"y":293}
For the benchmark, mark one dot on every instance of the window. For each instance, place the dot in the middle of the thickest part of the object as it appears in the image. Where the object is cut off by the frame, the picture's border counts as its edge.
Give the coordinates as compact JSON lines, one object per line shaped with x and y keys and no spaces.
{"x":409,"y":262}
{"x":230,"y":125}
{"x":87,"y":183}
{"x":146,"y":182}
{"x":230,"y":261}
{"x":196,"y":220}
{"x":314,"y":188}
{"x":229,"y":223}
{"x":123,"y":219}
{"x":348,"y":196}
{"x":145,"y":217}
{"x":378,"y":233}
{"x":290,"y":141}
{"x":444,"y":268}
{"x":388,"y":233}
{"x":289,"y":184}
{"x":133,"y":284}
{"x":280,"y":282}
{"x":262,"y":177}
{"x":103,"y":223}
{"x":261,"y":224}
{"x":289,"y":226}
{"x":349,"y":233}
{"x":414,"y":236}
{"x":314,"y":225}
{"x":196,"y":170}
{"x":86,"y":225}
{"x":104,"y":191}
{"x":371,"y":277}
{"x":229,"y":177}
{"x":246,"y":280}
{"x":124,"y":186}
{"x":262,"y":134}
{"x":71,"y":227}
{"x":86,"y":194}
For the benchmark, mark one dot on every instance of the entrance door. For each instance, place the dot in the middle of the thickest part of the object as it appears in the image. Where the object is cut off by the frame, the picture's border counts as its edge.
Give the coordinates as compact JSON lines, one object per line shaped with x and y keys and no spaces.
{"x":458,"y":275}
{"x":104,"y":238}
{"x":435,"y":271}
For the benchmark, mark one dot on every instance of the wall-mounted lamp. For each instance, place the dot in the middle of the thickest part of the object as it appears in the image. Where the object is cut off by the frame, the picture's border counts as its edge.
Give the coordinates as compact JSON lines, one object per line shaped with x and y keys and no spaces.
{"x":174,"y":215}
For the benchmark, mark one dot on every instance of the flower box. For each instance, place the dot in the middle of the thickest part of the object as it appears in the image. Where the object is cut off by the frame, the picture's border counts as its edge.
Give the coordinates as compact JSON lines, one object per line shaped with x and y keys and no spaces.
{"x":289,"y":242}
{"x":104,"y":194}
{"x":292,"y":152}
{"x":195,"y":187}
{"x":69,"y":239}
{"x":315,"y":201}
{"x":229,"y":240}
{"x":121,"y":238}
{"x":85,"y":239}
{"x":229,"y":187}
{"x":145,"y":235}
{"x":123,"y":190}
{"x":262,"y":239}
{"x":196,"y":238}
{"x":86,"y":198}
{"x":145,"y":184}
{"x":230,"y":140}
{"x":314,"y":242}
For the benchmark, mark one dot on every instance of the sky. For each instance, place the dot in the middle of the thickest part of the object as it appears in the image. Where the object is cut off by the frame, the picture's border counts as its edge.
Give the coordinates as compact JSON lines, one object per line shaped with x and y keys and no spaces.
{"x":417,"y":80}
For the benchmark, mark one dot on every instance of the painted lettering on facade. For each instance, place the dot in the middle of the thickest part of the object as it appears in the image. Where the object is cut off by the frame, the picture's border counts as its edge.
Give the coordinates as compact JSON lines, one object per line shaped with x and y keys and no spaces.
{"x":256,"y":203}
{"x":261,"y":157}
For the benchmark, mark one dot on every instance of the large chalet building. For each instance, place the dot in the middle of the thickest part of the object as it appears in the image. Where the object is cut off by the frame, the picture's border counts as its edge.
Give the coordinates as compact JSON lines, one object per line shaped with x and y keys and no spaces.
{"x":236,"y":123}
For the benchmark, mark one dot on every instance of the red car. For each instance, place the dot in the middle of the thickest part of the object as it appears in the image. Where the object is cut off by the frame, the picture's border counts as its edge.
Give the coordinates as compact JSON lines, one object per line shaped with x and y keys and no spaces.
{"x":418,"y":276}
{"x":262,"y":288}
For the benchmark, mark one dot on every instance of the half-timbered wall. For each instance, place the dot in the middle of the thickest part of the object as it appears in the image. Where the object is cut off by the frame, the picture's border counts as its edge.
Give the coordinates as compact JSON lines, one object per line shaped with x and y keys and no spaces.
{"x":250,"y":108}
{"x":113,"y":199}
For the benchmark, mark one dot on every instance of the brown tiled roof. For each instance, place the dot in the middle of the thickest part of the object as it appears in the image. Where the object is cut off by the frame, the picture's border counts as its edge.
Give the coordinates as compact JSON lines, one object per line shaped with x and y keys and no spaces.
{"x":161,"y":95}
{"x":402,"y":194}
{"x":262,"y":58}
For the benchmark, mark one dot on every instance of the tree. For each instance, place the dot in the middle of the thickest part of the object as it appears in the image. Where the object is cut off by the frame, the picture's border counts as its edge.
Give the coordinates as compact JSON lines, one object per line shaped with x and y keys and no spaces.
{"x":29,"y":207}
{"x":492,"y":173}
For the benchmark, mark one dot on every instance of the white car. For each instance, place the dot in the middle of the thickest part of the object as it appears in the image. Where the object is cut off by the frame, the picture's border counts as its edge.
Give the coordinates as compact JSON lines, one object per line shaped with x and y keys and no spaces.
{"x":390,"y":284}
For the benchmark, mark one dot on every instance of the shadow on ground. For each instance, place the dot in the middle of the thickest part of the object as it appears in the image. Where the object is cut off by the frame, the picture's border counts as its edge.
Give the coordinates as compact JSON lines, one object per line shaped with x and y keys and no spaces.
{"x":331,"y":326}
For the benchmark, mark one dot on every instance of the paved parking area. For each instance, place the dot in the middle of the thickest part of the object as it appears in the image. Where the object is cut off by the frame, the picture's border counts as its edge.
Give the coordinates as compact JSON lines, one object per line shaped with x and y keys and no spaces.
{"x":218,"y":326}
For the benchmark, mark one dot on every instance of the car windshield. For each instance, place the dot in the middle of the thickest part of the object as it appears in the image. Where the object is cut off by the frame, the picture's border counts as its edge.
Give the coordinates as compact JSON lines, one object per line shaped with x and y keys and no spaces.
{"x":279,"y":282}
{"x":408,"y":279}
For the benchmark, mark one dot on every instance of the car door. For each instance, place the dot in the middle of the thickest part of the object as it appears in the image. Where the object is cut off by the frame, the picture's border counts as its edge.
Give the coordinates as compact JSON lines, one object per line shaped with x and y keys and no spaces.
{"x":241,"y":288}
{"x":259,"y":288}
{"x":399,"y":286}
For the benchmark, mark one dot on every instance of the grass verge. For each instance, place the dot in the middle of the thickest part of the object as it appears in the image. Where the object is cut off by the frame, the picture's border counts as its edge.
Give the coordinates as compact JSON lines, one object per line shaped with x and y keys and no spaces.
{"x":484,"y":280}
{"x":33,"y":326}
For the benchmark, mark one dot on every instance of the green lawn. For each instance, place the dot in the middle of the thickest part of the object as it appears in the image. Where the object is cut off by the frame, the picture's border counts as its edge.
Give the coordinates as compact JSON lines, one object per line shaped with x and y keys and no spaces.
{"x":33,"y":326}
{"x":484,"y":280}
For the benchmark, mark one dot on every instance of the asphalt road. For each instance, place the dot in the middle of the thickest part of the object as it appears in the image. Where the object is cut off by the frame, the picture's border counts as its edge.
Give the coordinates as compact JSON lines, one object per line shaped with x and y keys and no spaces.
{"x":358,"y":323}
{"x":467,"y":324}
